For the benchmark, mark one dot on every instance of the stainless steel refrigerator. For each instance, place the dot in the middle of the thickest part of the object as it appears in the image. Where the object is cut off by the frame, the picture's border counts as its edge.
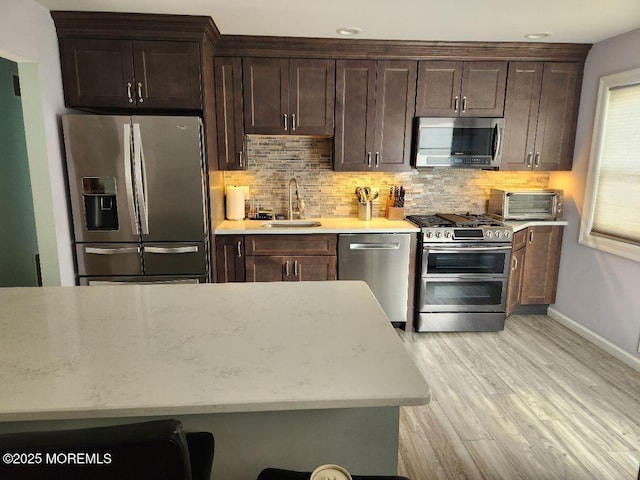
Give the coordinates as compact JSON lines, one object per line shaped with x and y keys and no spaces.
{"x":138,"y":199}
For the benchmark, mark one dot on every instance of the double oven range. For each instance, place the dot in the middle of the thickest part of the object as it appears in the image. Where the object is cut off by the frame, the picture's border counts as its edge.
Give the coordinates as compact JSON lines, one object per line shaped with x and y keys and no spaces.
{"x":463,"y":268}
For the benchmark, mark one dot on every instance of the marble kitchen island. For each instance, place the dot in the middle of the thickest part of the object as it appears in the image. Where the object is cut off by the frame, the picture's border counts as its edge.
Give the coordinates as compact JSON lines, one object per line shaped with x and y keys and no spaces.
{"x":288,"y":375}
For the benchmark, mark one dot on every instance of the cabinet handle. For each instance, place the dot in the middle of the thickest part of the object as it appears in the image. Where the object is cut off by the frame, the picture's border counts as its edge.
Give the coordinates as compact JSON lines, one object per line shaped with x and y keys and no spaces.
{"x":239,"y":249}
{"x":455,"y":104}
{"x":293,"y":122}
{"x":531,"y":236}
{"x":529,"y":157}
{"x":377,"y":159}
{"x":464,"y":104}
{"x":515,"y":264}
{"x":295,"y":267}
{"x":286,"y":268}
{"x":286,"y":122}
{"x":140,"y":93}
{"x":537,"y":159}
{"x":368,"y":159}
{"x":129,"y":95}
{"x":240,"y":157}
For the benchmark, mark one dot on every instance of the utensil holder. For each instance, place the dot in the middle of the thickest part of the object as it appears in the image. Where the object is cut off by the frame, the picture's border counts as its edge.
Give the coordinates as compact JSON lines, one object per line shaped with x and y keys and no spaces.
{"x":364,"y":211}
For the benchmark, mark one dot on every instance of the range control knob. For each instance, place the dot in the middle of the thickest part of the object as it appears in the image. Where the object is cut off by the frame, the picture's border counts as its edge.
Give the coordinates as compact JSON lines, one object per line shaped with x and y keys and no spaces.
{"x":507,"y":234}
{"x":488,"y":234}
{"x":447,"y":234}
{"x":438,"y":234}
{"x":428,"y":234}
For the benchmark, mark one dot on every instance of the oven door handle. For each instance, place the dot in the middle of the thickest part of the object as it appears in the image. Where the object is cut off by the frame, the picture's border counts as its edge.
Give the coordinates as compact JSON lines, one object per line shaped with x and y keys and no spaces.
{"x":468,"y":249}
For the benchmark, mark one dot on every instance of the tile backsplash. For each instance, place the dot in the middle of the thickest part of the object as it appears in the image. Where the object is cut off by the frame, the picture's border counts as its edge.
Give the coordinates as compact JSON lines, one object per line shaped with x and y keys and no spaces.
{"x":274,"y":160}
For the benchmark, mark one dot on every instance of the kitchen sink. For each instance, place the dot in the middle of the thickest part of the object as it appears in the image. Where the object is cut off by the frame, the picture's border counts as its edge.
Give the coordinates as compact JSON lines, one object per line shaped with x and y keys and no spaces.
{"x":291,"y":224}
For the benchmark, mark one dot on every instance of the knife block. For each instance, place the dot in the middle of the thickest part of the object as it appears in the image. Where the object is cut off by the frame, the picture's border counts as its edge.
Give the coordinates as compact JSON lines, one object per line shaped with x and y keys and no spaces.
{"x":394,"y":213}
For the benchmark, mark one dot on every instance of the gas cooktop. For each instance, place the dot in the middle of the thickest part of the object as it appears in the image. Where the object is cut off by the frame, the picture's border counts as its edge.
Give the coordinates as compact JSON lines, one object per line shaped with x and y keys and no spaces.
{"x":452,"y":227}
{"x":454,"y":220}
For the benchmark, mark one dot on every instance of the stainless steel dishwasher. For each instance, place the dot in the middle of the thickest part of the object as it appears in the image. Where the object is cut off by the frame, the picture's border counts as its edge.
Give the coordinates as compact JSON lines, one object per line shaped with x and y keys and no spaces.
{"x":383,"y":261}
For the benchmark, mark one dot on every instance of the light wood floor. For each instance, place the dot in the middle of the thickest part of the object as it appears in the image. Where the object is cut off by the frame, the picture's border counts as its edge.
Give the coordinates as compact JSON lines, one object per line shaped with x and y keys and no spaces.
{"x":535,"y":401}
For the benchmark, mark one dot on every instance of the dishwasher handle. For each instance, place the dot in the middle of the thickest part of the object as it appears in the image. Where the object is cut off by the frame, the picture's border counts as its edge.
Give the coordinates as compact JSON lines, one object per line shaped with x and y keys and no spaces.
{"x":374,"y":246}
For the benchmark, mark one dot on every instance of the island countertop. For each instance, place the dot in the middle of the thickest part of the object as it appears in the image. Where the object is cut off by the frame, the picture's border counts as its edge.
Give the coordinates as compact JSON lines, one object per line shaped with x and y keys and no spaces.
{"x":145,"y":350}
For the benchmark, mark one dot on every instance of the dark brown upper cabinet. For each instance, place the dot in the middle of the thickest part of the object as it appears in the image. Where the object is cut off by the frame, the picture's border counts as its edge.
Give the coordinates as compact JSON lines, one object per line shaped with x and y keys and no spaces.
{"x":375,"y":102}
{"x":112,"y":73}
{"x":461,"y":89}
{"x":541,"y":112}
{"x":288,"y":97}
{"x":229,"y":113}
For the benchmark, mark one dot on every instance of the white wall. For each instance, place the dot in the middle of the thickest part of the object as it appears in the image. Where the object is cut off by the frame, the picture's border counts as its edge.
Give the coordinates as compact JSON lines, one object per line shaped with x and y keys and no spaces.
{"x":597,"y":290}
{"x":27,"y":36}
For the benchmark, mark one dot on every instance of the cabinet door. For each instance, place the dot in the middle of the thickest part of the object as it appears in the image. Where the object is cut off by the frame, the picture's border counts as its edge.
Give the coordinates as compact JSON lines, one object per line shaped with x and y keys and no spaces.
{"x":97,"y":73}
{"x":266,"y":95}
{"x":439,"y":85}
{"x":355,"y":104}
{"x":541,"y":264}
{"x":521,"y":115}
{"x":167,"y":74}
{"x":264,"y":268}
{"x":230,"y":258}
{"x":557,"y":116}
{"x":229,"y":114}
{"x":313,"y":268}
{"x":395,"y":106}
{"x":311,"y":97}
{"x":483,"y":89}
{"x":515,"y":280}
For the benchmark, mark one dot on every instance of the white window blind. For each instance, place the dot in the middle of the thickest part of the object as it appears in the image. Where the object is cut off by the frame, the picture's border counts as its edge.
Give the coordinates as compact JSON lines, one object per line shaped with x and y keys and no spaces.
{"x":617,"y":192}
{"x":611,"y":217}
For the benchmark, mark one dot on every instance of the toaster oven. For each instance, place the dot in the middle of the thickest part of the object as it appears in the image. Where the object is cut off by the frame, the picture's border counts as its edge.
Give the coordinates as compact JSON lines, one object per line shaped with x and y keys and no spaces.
{"x":536,"y":204}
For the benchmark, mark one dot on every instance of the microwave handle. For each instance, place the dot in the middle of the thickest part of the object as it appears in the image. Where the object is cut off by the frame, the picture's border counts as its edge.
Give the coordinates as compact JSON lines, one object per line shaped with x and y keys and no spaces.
{"x":498,"y":142}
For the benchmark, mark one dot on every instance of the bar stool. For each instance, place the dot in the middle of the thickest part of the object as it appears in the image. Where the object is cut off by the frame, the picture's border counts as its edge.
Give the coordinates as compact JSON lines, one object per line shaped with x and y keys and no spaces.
{"x":156,"y":450}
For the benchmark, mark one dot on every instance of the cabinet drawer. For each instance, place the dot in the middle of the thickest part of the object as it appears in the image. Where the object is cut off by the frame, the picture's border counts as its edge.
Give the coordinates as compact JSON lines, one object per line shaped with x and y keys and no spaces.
{"x":290,"y":244}
{"x":519,"y":239}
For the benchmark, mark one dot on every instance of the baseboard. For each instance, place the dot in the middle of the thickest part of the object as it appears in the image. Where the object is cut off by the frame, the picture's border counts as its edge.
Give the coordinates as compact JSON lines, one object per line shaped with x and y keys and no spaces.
{"x":622,"y":355}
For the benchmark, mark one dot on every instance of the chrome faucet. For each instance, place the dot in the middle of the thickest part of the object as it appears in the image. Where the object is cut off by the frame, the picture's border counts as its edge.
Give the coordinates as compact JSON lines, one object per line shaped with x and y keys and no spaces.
{"x":292,"y":182}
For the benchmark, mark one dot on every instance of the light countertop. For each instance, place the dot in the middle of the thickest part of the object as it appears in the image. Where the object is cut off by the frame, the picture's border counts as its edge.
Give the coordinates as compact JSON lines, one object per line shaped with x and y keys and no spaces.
{"x":328,"y":225}
{"x":144,"y":350}
{"x":518,"y":225}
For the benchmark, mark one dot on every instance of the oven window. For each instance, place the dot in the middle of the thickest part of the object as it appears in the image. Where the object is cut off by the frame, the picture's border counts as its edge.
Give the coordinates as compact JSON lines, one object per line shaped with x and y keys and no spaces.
{"x":442,"y":263}
{"x":463,"y":293}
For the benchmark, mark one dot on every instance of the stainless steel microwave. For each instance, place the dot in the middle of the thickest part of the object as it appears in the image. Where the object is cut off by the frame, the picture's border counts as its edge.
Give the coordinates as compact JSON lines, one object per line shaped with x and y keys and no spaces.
{"x":458,"y":142}
{"x":536,"y":204}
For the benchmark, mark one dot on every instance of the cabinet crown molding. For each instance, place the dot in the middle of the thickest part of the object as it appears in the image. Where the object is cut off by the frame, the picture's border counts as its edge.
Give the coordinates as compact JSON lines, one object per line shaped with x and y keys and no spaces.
{"x":292,"y":47}
{"x":137,"y":26}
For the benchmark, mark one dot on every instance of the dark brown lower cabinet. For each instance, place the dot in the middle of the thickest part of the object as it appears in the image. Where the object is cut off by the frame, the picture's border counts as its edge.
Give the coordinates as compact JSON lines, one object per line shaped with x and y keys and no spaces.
{"x":535,"y":262}
{"x":230,"y":258}
{"x":541,"y":265}
{"x":515,"y":280}
{"x":290,"y":269}
{"x":276,"y":258}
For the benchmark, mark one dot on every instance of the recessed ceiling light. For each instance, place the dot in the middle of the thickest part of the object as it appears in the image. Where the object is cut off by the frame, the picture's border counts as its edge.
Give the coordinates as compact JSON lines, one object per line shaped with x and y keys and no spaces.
{"x":349,"y":31}
{"x":537,"y":36}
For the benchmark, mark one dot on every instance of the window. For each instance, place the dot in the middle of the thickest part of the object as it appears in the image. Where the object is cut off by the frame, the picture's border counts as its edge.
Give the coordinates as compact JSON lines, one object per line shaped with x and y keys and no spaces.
{"x":611,"y":217}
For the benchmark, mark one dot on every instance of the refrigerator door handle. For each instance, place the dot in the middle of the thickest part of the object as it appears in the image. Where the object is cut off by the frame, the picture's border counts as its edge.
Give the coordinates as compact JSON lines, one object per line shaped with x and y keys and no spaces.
{"x":111,"y":251}
{"x":188,"y":249}
{"x":126,"y":147}
{"x":141,"y":185}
